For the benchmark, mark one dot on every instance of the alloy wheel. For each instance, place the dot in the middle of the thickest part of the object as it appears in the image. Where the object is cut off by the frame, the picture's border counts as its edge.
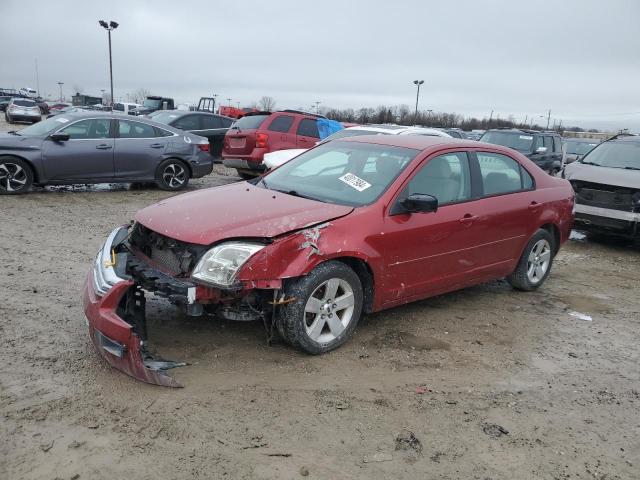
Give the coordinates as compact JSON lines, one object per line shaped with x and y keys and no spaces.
{"x":174,"y":175}
{"x":329,"y":310}
{"x":12,"y":177}
{"x":539,"y":261}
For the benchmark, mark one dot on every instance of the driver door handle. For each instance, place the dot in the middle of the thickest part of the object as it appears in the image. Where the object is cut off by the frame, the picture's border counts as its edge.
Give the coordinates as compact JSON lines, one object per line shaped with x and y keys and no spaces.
{"x":156,"y":145}
{"x":534,"y":205}
{"x":468,"y":218}
{"x":103,"y":146}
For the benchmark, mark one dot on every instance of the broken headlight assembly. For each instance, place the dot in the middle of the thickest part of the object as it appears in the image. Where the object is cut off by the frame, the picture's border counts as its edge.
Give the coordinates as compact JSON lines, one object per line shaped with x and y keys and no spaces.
{"x":219,"y":266}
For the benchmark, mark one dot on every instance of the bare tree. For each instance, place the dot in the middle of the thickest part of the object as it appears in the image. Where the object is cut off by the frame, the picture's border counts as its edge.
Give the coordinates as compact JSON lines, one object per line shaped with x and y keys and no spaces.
{"x":140,"y":94}
{"x":267,"y":104}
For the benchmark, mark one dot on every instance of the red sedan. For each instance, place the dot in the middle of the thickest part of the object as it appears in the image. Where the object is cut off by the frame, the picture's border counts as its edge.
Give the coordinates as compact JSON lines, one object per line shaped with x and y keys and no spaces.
{"x":349,"y":227}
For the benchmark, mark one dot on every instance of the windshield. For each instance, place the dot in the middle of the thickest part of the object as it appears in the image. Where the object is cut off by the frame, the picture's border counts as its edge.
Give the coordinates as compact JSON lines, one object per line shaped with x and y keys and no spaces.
{"x":518,"y":141}
{"x":249,"y":122}
{"x":615,"y":155}
{"x":152,"y":103}
{"x":165,"y":117}
{"x":44,"y":127}
{"x":579,"y":148}
{"x":346,"y":173}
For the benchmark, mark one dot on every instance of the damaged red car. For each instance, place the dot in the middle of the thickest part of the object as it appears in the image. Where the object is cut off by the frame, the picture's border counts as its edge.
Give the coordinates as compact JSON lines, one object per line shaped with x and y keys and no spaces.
{"x":349,"y":227}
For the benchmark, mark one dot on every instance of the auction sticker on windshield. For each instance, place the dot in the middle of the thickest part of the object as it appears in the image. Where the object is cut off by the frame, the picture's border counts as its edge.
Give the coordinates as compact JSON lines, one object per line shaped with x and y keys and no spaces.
{"x":355,"y":181}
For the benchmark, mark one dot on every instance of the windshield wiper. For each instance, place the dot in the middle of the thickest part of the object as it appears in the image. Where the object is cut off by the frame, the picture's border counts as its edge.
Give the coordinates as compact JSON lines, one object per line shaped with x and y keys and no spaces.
{"x":591,"y":163}
{"x":294,"y":193}
{"x":632,"y":168}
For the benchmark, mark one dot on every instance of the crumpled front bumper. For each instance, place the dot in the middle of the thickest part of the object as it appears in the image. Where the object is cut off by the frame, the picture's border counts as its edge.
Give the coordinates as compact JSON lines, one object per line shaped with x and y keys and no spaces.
{"x":114,"y":338}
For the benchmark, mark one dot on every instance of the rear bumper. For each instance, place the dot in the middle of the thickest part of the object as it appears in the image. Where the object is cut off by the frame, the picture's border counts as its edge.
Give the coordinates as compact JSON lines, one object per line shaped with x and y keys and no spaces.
{"x":201,"y":164}
{"x":24,"y":118}
{"x":606,"y":220}
{"x":253,"y":161}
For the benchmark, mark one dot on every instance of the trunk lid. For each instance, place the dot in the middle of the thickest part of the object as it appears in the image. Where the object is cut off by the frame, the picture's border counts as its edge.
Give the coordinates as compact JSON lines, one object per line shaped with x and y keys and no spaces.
{"x":240,"y":139}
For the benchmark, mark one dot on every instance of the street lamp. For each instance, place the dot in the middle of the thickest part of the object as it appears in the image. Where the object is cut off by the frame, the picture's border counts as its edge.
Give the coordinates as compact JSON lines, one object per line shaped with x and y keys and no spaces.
{"x":417,"y":83}
{"x":229,"y":100}
{"x":60,"y":85}
{"x":108,"y":27}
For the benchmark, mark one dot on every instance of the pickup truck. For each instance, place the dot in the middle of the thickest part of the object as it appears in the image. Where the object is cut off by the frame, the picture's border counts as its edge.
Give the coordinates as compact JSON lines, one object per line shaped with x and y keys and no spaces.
{"x":153,"y":103}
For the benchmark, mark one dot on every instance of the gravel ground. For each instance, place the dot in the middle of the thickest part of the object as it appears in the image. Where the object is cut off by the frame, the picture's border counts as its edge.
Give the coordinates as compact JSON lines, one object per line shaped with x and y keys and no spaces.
{"x":484,"y":383}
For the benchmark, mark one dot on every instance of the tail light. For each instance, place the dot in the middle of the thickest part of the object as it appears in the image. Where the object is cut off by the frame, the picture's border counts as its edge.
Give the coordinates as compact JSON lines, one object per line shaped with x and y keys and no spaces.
{"x":13,"y":107}
{"x":204,"y":147}
{"x":261,"y":140}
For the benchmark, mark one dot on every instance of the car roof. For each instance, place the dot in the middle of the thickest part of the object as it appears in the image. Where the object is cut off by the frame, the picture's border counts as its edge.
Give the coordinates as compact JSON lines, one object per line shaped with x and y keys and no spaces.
{"x":523,"y":130}
{"x":628,"y":138}
{"x":416,"y":142}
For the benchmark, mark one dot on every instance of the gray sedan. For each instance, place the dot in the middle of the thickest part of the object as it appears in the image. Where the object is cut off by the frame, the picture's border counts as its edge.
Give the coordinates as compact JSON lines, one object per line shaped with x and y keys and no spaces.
{"x":100,"y":148}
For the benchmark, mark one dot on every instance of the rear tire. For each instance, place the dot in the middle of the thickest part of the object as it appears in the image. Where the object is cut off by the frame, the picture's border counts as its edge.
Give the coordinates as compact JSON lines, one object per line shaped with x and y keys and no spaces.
{"x":246,"y":174}
{"x":16,"y":176}
{"x":172,"y":175}
{"x":535,"y":263}
{"x":326,"y":307}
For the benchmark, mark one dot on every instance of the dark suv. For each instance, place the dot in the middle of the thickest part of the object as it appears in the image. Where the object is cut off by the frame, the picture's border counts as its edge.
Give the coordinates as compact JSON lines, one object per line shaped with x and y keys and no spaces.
{"x":258,"y":133}
{"x":542,"y":148}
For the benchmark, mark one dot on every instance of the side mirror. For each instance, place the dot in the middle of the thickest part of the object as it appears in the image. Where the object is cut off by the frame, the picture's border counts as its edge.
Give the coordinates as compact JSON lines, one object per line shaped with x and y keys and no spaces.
{"x":420,"y":203}
{"x":541,"y":150}
{"x":59,"y":137}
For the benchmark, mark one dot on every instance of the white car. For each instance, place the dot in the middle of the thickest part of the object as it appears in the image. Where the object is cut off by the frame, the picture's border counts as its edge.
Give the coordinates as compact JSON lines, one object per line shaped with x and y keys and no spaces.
{"x":125,"y":107}
{"x":28,"y":92}
{"x":277,"y":158}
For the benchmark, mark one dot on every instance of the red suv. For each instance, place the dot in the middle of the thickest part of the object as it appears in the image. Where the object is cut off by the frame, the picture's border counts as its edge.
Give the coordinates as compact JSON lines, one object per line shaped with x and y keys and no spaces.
{"x":258,"y":133}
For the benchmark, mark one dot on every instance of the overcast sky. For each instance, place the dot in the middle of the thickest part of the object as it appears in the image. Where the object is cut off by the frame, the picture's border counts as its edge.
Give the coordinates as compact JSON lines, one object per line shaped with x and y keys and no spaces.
{"x":579,"y":58}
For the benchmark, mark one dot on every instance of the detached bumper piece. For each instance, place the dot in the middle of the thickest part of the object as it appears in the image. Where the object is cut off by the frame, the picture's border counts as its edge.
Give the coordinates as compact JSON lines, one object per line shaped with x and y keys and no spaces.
{"x":115,"y":309}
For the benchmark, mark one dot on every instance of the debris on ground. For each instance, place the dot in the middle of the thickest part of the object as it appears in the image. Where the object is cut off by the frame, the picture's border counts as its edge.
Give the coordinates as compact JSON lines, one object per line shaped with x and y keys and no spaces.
{"x":377,"y":457}
{"x":436,"y":457}
{"x":304,"y":471}
{"x":581,"y":316}
{"x":76,"y":444}
{"x":421,"y":389}
{"x":408,"y":441}
{"x":45,"y":447}
{"x":494,"y":430}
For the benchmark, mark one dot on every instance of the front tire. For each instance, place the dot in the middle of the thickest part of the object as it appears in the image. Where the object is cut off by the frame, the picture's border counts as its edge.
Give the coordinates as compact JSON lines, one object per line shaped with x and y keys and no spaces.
{"x":16,"y":176}
{"x":326,"y":308}
{"x":535,"y":263}
{"x":172,"y":175}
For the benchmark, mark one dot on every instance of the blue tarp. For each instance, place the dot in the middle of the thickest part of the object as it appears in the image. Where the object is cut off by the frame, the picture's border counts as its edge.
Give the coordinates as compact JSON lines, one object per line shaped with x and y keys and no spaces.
{"x":326,"y":127}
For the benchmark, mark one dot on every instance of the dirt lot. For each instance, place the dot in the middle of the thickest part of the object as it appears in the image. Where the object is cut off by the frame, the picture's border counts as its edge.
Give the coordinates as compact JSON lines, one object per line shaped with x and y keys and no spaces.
{"x":493,"y":384}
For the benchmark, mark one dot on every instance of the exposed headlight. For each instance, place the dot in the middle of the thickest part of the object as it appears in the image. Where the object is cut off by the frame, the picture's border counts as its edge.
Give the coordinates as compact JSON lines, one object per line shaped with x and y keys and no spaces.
{"x":220,"y":265}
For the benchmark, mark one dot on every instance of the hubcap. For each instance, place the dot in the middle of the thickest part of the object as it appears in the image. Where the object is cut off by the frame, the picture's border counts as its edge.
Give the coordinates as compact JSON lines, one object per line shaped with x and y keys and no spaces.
{"x":12,"y":177}
{"x":329,"y":310}
{"x":174,"y":175}
{"x":539,"y":260}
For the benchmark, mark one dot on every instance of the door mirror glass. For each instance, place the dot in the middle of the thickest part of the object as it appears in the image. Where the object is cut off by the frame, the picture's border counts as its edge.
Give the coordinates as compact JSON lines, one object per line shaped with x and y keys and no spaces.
{"x":420,"y":203}
{"x":60,"y":137}
{"x":541,"y":150}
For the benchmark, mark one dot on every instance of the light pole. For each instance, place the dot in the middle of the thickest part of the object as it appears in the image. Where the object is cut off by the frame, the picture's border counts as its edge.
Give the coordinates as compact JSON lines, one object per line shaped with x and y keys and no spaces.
{"x":317,"y":107}
{"x":417,"y":83}
{"x":60,"y":85}
{"x":229,"y":100}
{"x":108,"y":27}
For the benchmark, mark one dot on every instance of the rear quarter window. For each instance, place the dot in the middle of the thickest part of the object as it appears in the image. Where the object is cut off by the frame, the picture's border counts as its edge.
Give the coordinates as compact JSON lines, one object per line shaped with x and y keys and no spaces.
{"x":308,"y":128}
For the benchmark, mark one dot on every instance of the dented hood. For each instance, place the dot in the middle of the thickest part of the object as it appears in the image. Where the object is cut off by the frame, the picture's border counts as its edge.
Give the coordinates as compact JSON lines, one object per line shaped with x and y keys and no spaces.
{"x":618,"y":177}
{"x":234,"y":211}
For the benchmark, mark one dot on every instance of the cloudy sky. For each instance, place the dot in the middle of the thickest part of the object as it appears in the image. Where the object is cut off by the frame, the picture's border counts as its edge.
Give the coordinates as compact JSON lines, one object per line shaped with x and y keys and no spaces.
{"x":579,"y":58}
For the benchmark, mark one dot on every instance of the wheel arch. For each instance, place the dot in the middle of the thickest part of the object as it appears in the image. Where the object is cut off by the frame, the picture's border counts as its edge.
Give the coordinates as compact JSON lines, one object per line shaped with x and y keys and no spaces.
{"x":34,"y":171}
{"x":365,"y":274}
{"x":554,"y":231}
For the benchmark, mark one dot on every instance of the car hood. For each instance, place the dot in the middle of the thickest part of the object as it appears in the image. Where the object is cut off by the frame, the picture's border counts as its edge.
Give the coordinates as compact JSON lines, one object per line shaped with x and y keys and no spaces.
{"x":618,"y":177}
{"x":239,"y":210}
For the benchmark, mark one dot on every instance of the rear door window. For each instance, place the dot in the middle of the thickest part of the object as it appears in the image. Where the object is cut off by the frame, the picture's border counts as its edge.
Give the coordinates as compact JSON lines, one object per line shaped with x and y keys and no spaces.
{"x":210,"y":122}
{"x":127,"y":129}
{"x":548,"y":142}
{"x":502,"y":174}
{"x":308,"y":128}
{"x":282,"y":123}
{"x":188,"y":122}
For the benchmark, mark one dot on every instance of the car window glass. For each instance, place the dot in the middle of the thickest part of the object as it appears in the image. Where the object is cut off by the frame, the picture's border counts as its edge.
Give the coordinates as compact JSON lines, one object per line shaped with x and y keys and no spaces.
{"x":226,"y":122}
{"x":557,"y":144}
{"x":160,"y":132}
{"x":88,"y":129}
{"x":446,"y":177}
{"x":209,"y":121}
{"x":527,"y":180}
{"x":24,"y":103}
{"x":346,"y":173}
{"x":127,"y":129}
{"x":308,"y":128}
{"x":537,"y":143}
{"x":188,"y":122}
{"x":548,"y":144}
{"x":281,"y":123}
{"x":500,"y":174}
